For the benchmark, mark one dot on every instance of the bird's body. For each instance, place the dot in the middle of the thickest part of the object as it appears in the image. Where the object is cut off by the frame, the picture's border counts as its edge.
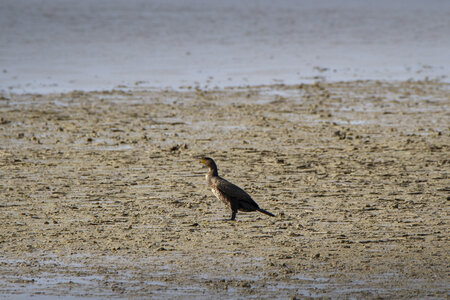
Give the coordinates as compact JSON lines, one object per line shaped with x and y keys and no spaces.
{"x":233,"y":196}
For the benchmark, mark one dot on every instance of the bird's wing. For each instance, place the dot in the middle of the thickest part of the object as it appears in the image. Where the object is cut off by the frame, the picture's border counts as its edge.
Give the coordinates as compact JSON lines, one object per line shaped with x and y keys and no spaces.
{"x":236,"y":193}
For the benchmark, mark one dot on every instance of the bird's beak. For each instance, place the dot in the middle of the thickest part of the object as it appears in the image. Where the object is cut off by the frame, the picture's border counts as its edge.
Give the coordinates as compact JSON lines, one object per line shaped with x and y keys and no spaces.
{"x":203,"y":161}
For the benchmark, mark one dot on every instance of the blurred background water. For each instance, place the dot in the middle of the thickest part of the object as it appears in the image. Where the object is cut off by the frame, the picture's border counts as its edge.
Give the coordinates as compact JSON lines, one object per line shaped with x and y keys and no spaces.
{"x":62,"y":45}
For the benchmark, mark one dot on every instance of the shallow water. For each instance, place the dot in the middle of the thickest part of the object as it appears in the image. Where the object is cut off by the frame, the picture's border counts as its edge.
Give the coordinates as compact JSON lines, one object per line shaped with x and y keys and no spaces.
{"x":50,"y":45}
{"x":70,"y":287}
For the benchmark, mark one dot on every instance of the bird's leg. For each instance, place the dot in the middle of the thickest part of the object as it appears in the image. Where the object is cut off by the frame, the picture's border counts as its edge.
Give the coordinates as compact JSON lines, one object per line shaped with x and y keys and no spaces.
{"x":233,"y":215}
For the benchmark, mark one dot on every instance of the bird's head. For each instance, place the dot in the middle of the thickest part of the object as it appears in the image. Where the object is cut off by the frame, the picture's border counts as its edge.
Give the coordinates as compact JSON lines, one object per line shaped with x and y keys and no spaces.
{"x":209,"y":162}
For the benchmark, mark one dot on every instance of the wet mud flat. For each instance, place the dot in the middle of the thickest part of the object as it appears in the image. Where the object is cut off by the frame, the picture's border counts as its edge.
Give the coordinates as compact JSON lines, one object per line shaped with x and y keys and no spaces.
{"x":102,"y":193}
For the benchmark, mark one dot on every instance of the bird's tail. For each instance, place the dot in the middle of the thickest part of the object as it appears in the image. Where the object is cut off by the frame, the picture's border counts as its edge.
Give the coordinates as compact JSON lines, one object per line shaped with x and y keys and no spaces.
{"x":266,"y":212}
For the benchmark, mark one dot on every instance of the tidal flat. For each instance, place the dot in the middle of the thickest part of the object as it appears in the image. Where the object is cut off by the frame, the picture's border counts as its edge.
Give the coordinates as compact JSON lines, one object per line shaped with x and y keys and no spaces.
{"x":102,"y":193}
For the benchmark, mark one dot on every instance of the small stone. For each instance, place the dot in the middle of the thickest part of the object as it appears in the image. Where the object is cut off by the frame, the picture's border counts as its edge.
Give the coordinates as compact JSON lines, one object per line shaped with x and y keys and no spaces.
{"x":174,"y":148}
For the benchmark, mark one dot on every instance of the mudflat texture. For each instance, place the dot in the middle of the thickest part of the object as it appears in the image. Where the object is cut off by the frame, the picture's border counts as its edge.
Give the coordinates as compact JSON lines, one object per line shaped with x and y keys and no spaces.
{"x":102,"y":193}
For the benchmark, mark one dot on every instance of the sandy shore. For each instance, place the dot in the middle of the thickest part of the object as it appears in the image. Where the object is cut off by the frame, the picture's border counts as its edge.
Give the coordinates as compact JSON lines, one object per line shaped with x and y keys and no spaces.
{"x":102,"y":194}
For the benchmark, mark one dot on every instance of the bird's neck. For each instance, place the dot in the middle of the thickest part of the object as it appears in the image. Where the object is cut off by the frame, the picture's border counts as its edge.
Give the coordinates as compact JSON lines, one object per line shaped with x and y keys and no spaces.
{"x":213,"y":172}
{"x":209,"y":176}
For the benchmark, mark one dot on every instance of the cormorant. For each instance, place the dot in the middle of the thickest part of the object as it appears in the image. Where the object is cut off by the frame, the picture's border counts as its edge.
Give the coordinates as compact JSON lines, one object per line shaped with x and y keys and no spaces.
{"x":232,"y":195}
